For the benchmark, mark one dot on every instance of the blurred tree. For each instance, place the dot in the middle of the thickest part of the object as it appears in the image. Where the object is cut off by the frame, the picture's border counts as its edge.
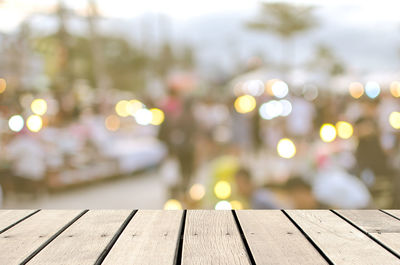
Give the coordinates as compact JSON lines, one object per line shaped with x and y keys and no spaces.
{"x":327,"y":61}
{"x":285,"y":21}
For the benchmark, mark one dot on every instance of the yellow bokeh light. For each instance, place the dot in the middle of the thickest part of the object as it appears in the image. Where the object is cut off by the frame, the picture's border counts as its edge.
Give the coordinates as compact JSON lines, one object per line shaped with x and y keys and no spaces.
{"x":356,"y":89}
{"x":327,"y":132}
{"x":286,"y":148}
{"x":222,"y":189}
{"x":172,"y":204}
{"x":197,"y":192}
{"x":133,"y":105}
{"x":112,"y":123}
{"x":3,"y":85}
{"x":394,"y":119}
{"x":157,"y":116}
{"x":236,"y":205}
{"x":34,"y":123}
{"x":245,"y":104}
{"x":344,"y":129}
{"x":395,"y":89}
{"x":121,"y":108}
{"x":39,"y":106}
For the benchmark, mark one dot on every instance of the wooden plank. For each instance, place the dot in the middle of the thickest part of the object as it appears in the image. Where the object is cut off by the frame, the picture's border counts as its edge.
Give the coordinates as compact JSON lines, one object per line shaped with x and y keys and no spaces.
{"x":379,"y":225}
{"x":273,"y":239}
{"x":150,"y":238}
{"x":83,"y":242}
{"x":211,"y":237}
{"x":340,"y":241}
{"x":9,"y":217}
{"x":19,"y":242}
{"x":395,"y":213}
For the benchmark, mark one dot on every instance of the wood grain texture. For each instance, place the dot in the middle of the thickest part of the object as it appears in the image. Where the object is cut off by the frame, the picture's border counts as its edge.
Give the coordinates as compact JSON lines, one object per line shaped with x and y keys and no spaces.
{"x":273,"y":239}
{"x":211,"y":237}
{"x":381,"y":226}
{"x":340,"y":241}
{"x":151,"y":237}
{"x":83,"y":242}
{"x":20,"y":241}
{"x":395,"y":213}
{"x":9,"y":217}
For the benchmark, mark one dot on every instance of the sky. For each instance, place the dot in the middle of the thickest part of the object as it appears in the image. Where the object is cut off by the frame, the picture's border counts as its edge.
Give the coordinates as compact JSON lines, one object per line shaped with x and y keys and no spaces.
{"x":365,"y":33}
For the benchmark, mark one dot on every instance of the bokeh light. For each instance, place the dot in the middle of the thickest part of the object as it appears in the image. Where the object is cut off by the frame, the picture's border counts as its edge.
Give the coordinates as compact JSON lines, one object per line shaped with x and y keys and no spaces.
{"x":254,"y":87}
{"x":143,"y":117}
{"x":356,"y":89}
{"x":245,"y":104}
{"x":286,"y":107}
{"x":344,"y":129}
{"x":39,"y":106}
{"x":286,"y":148}
{"x":222,"y":189}
{"x":112,"y":123}
{"x":327,"y":132}
{"x":197,"y":192}
{"x":236,"y":205}
{"x":3,"y":85}
{"x":133,"y":106}
{"x":372,"y":89}
{"x":268,"y":86}
{"x":223,"y":205}
{"x":394,"y":119}
{"x":172,"y":204}
{"x":395,"y":89}
{"x":271,"y":109}
{"x":280,"y":89}
{"x":34,"y":123}
{"x":16,"y":123}
{"x":121,"y":108}
{"x":157,"y":116}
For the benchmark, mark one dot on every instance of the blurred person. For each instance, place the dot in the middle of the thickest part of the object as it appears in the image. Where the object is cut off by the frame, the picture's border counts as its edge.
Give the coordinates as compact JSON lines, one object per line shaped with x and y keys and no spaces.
{"x":372,"y":162}
{"x":300,"y":194}
{"x":178,"y":132}
{"x":258,"y":198}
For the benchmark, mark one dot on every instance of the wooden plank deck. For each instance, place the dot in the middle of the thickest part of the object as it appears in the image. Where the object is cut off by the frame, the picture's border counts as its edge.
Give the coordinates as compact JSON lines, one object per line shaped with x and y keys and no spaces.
{"x":199,"y":237}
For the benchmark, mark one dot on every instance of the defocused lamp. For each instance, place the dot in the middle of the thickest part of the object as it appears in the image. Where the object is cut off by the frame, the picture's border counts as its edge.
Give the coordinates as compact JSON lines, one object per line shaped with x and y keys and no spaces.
{"x":222,"y":189}
{"x":327,"y":132}
{"x":3,"y":85}
{"x":157,"y":116}
{"x":39,"y":106}
{"x":172,"y":204}
{"x":394,"y":119}
{"x":395,"y":89}
{"x":223,"y":205}
{"x":245,"y":104}
{"x":16,"y":123}
{"x":34,"y":123}
{"x":286,"y":148}
{"x":344,"y":129}
{"x":356,"y":90}
{"x":197,"y":192}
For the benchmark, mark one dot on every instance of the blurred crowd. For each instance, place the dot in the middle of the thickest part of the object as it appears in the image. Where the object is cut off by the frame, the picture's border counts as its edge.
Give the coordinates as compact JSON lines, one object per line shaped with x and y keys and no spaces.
{"x":82,"y":106}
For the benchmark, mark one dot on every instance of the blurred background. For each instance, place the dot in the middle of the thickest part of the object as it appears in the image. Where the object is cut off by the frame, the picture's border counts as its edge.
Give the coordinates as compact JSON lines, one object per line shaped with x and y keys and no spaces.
{"x":199,"y":104}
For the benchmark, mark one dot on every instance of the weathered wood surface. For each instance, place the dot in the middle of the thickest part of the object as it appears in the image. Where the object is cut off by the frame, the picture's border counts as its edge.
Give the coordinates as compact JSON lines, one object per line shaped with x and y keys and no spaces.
{"x":211,"y":237}
{"x":150,"y":238}
{"x":200,"y":237}
{"x":340,"y":241}
{"x":273,"y":239}
{"x":377,"y":224}
{"x":11,"y":217}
